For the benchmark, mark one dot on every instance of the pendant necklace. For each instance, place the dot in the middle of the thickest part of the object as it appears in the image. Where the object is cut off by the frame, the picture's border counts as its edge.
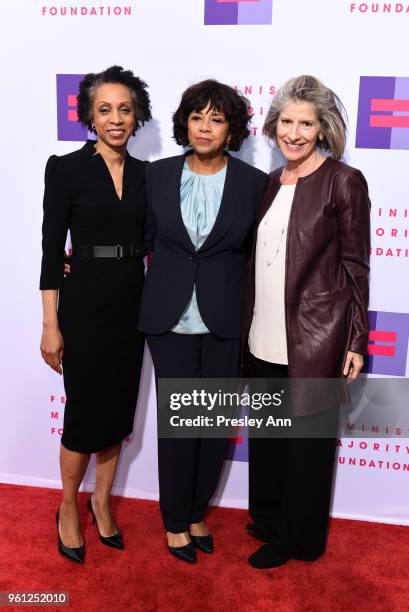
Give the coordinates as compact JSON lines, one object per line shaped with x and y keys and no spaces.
{"x":277,"y":250}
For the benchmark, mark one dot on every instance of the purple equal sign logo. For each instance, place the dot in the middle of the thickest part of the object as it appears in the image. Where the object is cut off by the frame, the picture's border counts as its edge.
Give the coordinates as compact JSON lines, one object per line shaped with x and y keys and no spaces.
{"x":238,"y":12}
{"x":68,"y":127}
{"x":388,"y":343}
{"x":383,"y":113}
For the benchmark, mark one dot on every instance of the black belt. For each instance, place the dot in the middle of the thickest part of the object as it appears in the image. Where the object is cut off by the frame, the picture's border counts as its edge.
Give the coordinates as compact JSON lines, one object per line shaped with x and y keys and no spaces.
{"x":117,"y":251}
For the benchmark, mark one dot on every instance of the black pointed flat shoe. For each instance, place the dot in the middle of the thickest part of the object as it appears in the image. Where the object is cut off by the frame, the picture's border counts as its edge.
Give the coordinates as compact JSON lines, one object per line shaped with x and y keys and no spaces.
{"x":204,"y":543}
{"x":114,"y":541}
{"x":74,"y":554}
{"x":184,"y":553}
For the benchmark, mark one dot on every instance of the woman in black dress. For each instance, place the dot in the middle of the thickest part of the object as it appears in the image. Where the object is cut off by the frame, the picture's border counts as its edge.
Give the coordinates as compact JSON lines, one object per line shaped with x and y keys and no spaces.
{"x":90,"y":318}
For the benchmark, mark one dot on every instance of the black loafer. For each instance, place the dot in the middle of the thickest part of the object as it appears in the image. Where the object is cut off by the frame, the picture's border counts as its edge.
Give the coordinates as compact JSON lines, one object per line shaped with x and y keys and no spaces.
{"x":184,"y":553}
{"x":73,"y":554}
{"x":204,"y":543}
{"x":258,"y":532}
{"x":266,"y":557}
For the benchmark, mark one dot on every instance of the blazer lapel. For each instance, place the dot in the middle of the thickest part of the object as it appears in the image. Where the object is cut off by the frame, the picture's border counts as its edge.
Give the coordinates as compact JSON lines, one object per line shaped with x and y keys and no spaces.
{"x":227,"y":208}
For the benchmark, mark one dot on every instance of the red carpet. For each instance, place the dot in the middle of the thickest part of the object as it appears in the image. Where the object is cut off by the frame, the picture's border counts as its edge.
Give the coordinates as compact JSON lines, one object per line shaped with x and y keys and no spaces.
{"x":366,"y":566}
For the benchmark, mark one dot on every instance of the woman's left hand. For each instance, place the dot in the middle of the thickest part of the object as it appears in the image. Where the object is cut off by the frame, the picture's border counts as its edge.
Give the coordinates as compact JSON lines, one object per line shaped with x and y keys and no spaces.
{"x":353,"y":365}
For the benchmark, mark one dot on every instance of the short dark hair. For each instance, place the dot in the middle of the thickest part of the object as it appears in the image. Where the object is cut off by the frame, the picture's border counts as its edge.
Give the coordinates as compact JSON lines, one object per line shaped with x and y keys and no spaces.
{"x":222,"y":98}
{"x":114,"y":74}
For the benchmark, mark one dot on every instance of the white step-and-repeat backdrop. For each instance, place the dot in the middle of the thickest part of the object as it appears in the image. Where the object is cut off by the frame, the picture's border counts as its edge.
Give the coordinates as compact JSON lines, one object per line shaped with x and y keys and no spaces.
{"x":359,"y":49}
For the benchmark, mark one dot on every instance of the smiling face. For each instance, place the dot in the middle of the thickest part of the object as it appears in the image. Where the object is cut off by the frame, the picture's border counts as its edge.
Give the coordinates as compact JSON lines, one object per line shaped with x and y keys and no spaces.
{"x":297,"y":131}
{"x":113,"y":114}
{"x":207,"y":131}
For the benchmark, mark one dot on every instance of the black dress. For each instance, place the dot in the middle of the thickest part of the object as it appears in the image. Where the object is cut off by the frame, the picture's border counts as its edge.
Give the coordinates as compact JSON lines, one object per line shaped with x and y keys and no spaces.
{"x":99,"y":300}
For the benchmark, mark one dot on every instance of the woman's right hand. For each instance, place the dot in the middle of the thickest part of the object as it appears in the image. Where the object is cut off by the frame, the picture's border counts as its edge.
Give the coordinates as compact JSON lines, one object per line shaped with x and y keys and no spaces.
{"x":52,"y":348}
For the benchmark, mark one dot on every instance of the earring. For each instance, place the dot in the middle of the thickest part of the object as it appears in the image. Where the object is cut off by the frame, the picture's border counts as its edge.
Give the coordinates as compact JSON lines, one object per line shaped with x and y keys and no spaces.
{"x":226,"y":146}
{"x":321,"y":137}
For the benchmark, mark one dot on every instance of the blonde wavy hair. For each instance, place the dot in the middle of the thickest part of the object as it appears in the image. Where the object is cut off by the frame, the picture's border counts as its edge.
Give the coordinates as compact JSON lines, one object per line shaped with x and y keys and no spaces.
{"x":328,"y":107}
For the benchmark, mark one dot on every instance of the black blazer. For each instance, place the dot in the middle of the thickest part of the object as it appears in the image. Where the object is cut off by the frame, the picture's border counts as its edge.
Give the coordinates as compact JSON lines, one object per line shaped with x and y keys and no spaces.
{"x":218,"y":269}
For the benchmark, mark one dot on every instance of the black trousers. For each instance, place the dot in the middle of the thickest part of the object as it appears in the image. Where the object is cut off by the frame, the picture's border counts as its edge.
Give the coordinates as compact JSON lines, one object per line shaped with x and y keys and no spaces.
{"x":290,"y":482}
{"x":189,"y":469}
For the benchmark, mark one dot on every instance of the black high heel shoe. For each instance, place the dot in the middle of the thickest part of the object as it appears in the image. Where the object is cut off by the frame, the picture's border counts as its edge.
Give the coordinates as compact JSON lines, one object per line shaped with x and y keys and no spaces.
{"x":204,"y":543}
{"x":74,"y":554}
{"x":115,"y":541}
{"x":184,"y":553}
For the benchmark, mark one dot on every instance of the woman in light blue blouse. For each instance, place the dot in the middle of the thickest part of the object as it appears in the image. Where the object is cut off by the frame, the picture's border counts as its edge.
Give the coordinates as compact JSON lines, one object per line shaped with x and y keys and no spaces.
{"x":200,"y":197}
{"x":202,"y":210}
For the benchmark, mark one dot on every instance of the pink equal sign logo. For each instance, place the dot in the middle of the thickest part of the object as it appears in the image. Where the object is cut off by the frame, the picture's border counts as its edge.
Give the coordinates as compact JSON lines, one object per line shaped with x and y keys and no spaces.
{"x":72,"y":108}
{"x":68,"y":127}
{"x":238,"y":12}
{"x":388,"y":343}
{"x":377,"y":337}
{"x":383,"y":113}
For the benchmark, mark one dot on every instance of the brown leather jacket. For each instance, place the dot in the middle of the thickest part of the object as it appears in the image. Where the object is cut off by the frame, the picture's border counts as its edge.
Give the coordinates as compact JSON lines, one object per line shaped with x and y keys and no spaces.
{"x":326,"y":283}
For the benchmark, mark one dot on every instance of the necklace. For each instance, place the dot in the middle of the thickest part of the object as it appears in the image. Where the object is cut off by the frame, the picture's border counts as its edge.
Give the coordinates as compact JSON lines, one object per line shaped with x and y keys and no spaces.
{"x":277,"y":249}
{"x":281,"y":219}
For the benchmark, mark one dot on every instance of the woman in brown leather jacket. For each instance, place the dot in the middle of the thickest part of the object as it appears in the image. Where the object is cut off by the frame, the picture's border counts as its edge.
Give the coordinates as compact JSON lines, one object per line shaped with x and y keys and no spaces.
{"x":306,"y":311}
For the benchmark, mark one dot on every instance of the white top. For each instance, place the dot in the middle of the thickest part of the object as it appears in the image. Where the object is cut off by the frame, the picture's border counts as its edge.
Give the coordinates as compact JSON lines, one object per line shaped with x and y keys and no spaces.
{"x":267,"y":339}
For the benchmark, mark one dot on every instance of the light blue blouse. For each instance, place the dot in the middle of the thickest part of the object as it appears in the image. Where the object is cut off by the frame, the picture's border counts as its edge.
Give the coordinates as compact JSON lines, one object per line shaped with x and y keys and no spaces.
{"x":200,"y":197}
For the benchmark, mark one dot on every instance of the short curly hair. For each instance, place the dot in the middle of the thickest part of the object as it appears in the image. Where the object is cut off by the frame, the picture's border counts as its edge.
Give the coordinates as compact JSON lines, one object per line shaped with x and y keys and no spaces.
{"x":114,"y":74}
{"x":330,"y":111}
{"x":223,"y":99}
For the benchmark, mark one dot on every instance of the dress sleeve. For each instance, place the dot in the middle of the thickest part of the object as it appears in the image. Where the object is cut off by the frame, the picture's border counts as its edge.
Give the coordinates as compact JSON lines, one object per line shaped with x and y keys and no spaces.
{"x":353,"y":208}
{"x":150,"y":223}
{"x":56,"y":220}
